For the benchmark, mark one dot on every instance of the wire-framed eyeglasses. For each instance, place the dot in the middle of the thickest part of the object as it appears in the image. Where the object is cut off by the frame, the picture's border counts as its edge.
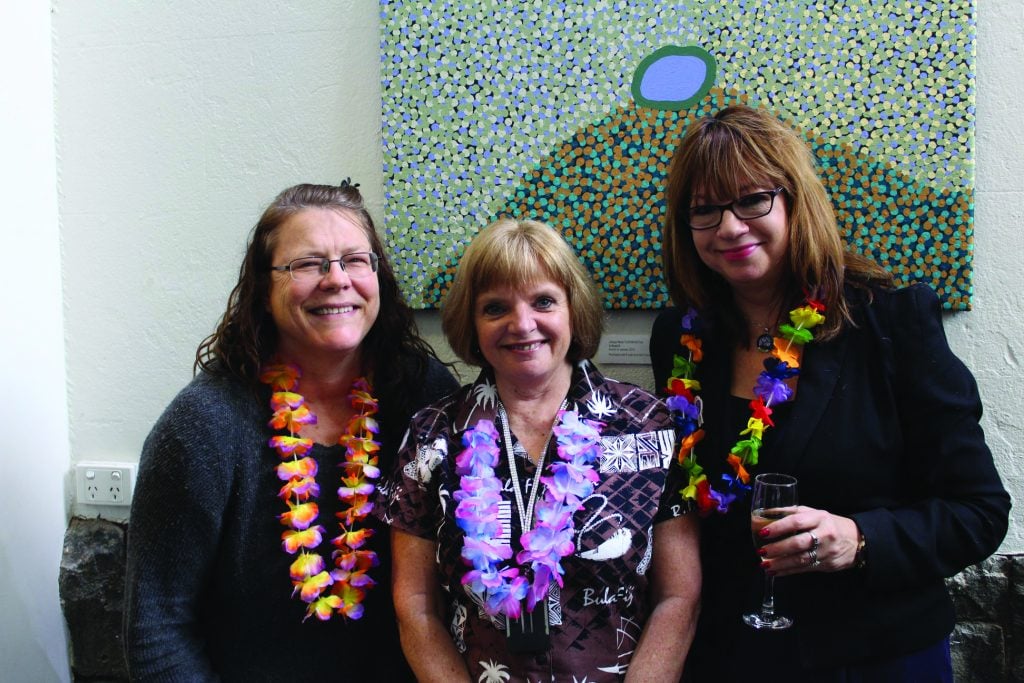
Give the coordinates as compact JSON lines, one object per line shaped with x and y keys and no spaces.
{"x":747,"y":207}
{"x":357,"y":264}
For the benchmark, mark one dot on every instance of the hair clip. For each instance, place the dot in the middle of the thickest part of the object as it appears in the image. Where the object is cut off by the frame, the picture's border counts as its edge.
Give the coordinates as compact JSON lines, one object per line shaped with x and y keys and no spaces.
{"x":347,"y":182}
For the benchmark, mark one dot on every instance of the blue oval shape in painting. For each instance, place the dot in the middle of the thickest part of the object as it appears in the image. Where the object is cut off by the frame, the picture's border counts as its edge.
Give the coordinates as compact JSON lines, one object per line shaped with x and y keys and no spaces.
{"x":673,"y":77}
{"x":676,"y":77}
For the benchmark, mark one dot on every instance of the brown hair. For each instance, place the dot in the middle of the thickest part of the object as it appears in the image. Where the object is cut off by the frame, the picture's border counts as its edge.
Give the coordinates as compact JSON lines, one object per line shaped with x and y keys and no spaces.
{"x":246,"y":335}
{"x":515,"y":253}
{"x":742,"y":146}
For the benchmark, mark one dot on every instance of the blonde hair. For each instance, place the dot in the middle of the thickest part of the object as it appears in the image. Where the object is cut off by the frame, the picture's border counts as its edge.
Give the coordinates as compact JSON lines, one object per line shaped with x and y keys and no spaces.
{"x":736,"y":148}
{"x":515,"y":253}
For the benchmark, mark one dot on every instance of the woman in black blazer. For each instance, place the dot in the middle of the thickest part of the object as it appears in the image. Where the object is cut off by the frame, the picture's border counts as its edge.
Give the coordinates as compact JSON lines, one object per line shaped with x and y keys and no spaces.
{"x":788,"y":354}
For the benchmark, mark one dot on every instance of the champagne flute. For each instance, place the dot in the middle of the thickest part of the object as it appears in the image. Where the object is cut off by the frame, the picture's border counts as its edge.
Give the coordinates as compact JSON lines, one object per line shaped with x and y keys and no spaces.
{"x":773,"y":498}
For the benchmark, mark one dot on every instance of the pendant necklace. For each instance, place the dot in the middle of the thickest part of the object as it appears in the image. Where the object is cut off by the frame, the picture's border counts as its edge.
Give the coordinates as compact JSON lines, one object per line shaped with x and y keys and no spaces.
{"x":765,"y":342}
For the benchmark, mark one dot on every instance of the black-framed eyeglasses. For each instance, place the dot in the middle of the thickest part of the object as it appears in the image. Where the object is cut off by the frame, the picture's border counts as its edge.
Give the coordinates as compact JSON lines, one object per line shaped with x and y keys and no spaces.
{"x":747,"y":207}
{"x":357,"y":264}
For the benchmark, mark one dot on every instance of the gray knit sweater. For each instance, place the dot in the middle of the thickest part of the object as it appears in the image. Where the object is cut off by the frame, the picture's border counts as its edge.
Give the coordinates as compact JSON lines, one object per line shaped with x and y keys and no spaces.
{"x":208,"y":591}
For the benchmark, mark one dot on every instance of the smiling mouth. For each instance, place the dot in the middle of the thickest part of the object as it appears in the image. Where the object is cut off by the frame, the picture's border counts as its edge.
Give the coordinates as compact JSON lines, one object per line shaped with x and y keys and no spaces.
{"x":332,"y":310}
{"x":739,"y":252}
{"x":529,"y":346}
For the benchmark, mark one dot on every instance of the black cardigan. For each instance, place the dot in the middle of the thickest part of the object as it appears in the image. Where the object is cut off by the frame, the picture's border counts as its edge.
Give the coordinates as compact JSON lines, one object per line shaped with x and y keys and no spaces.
{"x":208,"y":589}
{"x":884,"y":429}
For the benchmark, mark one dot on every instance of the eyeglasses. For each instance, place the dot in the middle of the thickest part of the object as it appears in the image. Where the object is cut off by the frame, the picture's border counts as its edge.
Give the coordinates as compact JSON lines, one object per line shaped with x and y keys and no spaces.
{"x":747,"y":207}
{"x":357,"y":264}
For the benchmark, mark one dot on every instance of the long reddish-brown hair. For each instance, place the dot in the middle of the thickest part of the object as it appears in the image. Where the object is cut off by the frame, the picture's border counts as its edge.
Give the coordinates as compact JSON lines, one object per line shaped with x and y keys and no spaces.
{"x":741,"y":147}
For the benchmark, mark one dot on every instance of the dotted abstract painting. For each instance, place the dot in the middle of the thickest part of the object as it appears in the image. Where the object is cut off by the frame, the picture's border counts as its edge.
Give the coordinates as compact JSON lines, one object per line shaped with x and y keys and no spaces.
{"x":569,"y":113}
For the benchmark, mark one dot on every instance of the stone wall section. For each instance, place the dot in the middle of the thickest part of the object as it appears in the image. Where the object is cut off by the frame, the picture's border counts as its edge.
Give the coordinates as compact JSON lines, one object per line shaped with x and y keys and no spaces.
{"x":91,"y":585}
{"x":987,"y":645}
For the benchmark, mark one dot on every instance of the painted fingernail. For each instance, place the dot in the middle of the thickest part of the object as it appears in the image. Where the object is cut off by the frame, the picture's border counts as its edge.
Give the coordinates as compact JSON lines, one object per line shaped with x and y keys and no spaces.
{"x":763,"y":533}
{"x":762,"y":552}
{"x":765,"y":564}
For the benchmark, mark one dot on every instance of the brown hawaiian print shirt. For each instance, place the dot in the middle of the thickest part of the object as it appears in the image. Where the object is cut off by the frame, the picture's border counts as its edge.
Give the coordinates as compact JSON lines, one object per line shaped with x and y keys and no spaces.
{"x":597,"y":617}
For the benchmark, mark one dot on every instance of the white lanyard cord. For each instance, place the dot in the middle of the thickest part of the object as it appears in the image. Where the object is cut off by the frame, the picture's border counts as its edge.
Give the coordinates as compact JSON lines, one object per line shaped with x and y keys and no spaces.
{"x":525,"y":512}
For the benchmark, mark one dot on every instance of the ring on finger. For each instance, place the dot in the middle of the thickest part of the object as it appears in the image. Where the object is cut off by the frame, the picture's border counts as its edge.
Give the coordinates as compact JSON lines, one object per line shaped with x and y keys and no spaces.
{"x":812,"y":557}
{"x":814,"y":540}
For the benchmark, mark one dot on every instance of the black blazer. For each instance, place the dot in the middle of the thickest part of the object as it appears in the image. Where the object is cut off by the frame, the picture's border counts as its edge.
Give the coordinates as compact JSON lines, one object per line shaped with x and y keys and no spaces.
{"x":884,"y":429}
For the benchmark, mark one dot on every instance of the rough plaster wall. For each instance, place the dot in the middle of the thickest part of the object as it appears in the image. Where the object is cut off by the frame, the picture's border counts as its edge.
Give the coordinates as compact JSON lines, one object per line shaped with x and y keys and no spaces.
{"x":178,"y":122}
{"x":990,"y":338}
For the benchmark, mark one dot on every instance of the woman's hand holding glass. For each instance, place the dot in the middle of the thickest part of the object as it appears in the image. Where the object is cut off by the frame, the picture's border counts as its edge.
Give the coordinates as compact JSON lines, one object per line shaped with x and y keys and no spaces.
{"x":808,"y":540}
{"x":774,"y":497}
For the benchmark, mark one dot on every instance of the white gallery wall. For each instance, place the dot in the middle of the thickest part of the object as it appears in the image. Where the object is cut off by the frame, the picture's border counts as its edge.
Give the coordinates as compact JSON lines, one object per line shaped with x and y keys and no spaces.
{"x":172,"y":125}
{"x":34,"y":452}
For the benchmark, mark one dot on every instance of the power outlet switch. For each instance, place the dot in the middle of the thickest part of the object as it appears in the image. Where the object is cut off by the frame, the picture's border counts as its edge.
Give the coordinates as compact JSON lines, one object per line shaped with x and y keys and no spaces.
{"x":104,"y":483}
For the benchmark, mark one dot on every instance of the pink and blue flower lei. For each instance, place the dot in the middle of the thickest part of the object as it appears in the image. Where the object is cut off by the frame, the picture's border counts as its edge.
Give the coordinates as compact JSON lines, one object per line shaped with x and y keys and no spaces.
{"x":500,"y":586}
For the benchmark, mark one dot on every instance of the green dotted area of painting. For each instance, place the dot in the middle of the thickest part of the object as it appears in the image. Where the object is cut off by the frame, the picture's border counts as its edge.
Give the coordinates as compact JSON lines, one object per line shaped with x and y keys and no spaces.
{"x":613,"y":219}
{"x":525,"y":109}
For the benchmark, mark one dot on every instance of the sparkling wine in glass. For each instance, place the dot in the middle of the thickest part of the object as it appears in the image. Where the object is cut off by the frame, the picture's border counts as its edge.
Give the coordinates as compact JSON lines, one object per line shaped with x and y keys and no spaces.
{"x":773,"y":498}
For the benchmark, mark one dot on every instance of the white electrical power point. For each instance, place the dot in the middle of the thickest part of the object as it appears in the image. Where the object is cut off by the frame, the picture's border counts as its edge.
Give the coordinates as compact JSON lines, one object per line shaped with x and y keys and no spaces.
{"x":104,"y":483}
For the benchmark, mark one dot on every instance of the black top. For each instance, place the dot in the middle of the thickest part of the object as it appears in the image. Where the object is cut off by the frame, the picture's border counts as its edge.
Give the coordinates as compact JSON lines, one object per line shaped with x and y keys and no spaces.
{"x":884,"y":429}
{"x":208,"y":588}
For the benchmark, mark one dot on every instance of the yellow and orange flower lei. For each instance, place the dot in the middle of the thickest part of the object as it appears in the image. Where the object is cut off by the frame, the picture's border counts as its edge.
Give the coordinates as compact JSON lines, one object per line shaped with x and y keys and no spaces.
{"x":349,"y":580}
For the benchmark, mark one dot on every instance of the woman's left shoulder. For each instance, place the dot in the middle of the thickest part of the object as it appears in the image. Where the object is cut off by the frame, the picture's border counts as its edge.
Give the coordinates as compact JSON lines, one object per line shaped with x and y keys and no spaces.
{"x":426,"y":379}
{"x":895,"y":309}
{"x":915,"y":296}
{"x":438,"y":380}
{"x":906,"y":327}
{"x":438,"y":372}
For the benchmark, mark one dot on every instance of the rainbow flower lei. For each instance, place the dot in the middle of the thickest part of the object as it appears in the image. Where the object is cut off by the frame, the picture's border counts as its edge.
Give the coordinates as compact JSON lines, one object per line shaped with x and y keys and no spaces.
{"x":501,"y":588}
{"x":349,"y":580}
{"x":769,"y":388}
